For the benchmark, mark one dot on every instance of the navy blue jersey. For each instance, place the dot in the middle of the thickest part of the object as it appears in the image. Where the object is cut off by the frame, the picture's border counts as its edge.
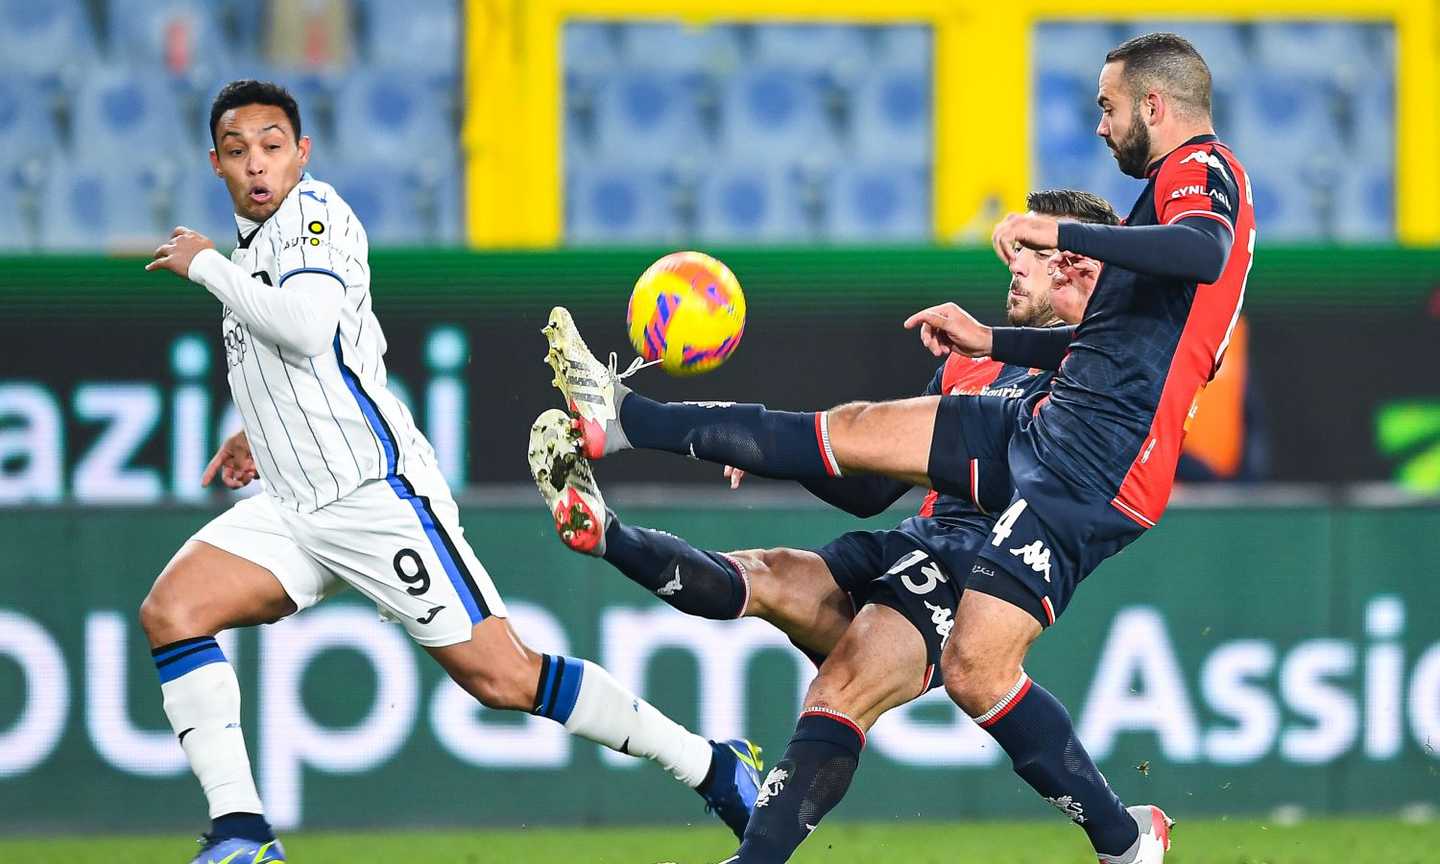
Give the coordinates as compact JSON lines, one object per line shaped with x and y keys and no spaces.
{"x":981,"y":377}
{"x":1119,"y":406}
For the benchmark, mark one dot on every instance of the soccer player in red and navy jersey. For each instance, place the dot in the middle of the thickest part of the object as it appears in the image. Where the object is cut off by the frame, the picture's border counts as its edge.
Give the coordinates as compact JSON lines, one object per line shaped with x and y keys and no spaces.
{"x":1093,"y":462}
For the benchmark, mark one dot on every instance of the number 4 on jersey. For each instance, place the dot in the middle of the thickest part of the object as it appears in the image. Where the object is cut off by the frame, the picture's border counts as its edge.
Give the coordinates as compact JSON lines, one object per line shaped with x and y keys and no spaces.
{"x":1035,"y":555}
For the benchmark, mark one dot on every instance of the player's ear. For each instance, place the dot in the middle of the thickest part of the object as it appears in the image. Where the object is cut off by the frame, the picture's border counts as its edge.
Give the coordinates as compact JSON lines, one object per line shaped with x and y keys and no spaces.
{"x":215,"y":163}
{"x":304,"y":145}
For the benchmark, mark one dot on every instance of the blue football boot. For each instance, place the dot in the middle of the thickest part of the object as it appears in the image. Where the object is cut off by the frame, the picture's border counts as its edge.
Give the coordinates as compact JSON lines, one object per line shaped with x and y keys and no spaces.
{"x":734,"y":782}
{"x":237,"y":850}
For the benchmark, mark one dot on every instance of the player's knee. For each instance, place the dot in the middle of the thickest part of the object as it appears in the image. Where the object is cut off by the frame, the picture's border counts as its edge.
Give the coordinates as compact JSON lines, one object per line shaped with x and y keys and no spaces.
{"x":974,"y":677}
{"x":847,"y":418}
{"x":165,"y":618}
{"x":768,"y":597}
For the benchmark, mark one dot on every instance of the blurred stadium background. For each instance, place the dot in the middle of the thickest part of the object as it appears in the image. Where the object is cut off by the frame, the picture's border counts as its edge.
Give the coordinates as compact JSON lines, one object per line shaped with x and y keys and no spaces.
{"x":1266,"y":654}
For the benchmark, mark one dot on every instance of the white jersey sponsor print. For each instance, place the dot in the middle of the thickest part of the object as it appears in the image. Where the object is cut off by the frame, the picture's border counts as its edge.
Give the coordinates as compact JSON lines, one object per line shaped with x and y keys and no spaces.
{"x":318,"y":426}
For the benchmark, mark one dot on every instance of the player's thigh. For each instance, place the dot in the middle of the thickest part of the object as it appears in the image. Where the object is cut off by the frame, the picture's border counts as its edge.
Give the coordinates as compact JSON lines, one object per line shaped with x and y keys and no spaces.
{"x":794,"y":590}
{"x":891,"y":438}
{"x":879,"y":663}
{"x":399,"y":542}
{"x":242,"y":568}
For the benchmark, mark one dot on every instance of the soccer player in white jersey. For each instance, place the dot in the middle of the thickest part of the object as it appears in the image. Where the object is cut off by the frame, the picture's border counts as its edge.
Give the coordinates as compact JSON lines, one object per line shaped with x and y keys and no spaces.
{"x":352,"y":497}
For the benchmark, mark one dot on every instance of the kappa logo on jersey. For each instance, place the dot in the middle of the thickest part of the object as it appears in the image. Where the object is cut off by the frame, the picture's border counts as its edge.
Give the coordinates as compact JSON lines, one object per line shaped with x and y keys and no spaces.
{"x":672,"y":587}
{"x":1036,"y":556}
{"x":1208,"y":159}
{"x":774,"y":783}
{"x":941,"y":618}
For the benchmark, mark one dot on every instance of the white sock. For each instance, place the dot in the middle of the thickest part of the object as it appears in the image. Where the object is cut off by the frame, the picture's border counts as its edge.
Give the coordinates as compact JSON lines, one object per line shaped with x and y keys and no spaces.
{"x":608,"y":714}
{"x":206,"y":701}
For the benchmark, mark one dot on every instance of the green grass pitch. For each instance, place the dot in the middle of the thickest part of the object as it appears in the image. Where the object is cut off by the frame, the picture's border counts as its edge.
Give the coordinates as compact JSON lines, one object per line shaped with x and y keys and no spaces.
{"x":1197,"y":842}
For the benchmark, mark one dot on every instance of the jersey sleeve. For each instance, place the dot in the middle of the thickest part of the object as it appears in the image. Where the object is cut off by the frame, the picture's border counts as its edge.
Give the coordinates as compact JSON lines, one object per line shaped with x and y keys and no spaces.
{"x":308,"y":240}
{"x":1196,"y":182}
{"x":936,"y":387}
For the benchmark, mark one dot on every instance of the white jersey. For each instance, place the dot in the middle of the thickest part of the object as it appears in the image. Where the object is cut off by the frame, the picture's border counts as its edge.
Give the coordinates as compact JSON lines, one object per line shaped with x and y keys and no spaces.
{"x":319,"y":426}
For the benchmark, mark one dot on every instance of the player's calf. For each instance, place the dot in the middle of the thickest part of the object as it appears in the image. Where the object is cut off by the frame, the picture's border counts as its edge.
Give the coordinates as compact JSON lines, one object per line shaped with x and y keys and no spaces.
{"x":879,"y":663}
{"x":1030,"y":724}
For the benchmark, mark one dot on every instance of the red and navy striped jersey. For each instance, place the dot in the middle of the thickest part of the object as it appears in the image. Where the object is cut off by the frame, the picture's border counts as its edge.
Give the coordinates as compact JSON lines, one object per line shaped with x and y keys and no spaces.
{"x":1122,"y":400}
{"x":989,"y":484}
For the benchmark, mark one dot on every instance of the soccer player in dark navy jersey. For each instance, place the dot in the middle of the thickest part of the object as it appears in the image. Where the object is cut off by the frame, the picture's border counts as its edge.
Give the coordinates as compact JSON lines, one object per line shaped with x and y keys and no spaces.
{"x":901,"y":586}
{"x":1091,"y":463}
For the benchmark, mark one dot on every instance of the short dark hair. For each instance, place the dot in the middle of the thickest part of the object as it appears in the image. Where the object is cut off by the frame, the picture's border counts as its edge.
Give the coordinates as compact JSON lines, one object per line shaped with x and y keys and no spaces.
{"x":248,"y":91}
{"x":1072,"y":204}
{"x":1166,"y":63}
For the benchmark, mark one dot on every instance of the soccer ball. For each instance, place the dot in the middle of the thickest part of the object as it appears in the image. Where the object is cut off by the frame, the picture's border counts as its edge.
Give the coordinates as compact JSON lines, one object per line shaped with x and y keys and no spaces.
{"x":688,"y":312}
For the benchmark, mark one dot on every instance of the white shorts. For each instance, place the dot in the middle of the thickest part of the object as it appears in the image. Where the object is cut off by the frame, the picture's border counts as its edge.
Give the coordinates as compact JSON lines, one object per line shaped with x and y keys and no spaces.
{"x":397,"y":541}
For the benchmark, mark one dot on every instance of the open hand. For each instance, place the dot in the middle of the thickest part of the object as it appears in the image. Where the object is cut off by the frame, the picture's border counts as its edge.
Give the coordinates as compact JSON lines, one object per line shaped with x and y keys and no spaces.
{"x":735,"y":475}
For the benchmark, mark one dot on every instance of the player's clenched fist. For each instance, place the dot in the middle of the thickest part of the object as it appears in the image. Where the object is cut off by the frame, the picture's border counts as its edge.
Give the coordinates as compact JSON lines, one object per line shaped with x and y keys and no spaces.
{"x":947,"y":328}
{"x":1024,"y":230}
{"x":176,"y":254}
{"x":233,"y":462}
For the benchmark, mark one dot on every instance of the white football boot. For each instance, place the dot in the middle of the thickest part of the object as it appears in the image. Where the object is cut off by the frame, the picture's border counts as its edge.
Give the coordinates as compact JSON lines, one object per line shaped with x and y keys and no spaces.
{"x":1154,"y":839}
{"x":591,"y":389}
{"x":566,"y":483}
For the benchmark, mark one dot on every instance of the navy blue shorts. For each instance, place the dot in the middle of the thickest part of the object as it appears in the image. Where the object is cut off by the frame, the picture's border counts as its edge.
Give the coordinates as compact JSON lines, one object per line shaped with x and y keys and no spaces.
{"x":918,"y":569}
{"x":1048,"y":539}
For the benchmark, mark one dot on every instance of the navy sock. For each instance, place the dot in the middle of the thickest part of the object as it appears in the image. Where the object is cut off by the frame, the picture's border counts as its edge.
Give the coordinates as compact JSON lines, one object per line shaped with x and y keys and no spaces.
{"x":559,"y":687}
{"x":692,"y":580}
{"x":807,"y":782}
{"x":784,"y":445}
{"x":1035,"y":729}
{"x":248,"y":826}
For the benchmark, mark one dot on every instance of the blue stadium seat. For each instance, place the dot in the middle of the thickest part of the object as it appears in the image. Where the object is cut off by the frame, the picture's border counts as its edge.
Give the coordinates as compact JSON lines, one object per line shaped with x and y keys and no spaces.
{"x":1365,"y":205}
{"x":749,"y":203}
{"x":387,"y":114}
{"x":1281,"y":107}
{"x":386,"y":202}
{"x":671,"y":45}
{"x":182,"y":36}
{"x":1078,"y":49}
{"x":101,"y":206}
{"x":120,"y":110}
{"x":1287,"y":207}
{"x":16,"y":236}
{"x":43,"y":37}
{"x":648,"y":115}
{"x":892,"y":114}
{"x":1372,"y":110}
{"x":448,"y":199}
{"x":420,"y":35}
{"x":590,"y":46}
{"x":201,"y":202}
{"x":879,"y":203}
{"x":27,"y":128}
{"x":1311,"y":47}
{"x":776,"y":113}
{"x":813,"y":47}
{"x":617,"y":203}
{"x":1065,"y":118}
{"x":904,"y":43}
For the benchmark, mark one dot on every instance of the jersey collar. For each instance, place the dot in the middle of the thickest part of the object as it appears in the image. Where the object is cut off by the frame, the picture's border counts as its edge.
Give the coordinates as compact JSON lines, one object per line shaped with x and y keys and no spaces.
{"x":1198,"y":139}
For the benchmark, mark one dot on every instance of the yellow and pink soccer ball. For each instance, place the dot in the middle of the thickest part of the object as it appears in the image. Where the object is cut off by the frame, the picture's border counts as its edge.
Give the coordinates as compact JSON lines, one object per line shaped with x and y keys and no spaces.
{"x":688,"y":312}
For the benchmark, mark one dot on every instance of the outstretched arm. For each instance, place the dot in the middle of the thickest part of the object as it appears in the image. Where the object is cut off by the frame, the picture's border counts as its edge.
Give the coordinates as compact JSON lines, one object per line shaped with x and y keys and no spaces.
{"x":1193,"y":249}
{"x":301,"y":313}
